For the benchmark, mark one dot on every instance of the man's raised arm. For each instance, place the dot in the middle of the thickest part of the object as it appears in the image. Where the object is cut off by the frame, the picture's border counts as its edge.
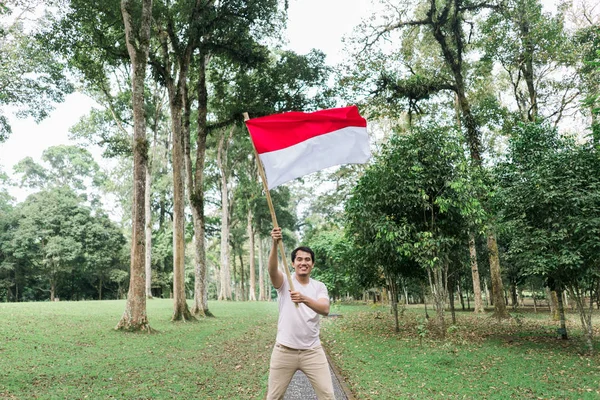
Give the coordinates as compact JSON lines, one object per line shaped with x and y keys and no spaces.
{"x":274,"y":273}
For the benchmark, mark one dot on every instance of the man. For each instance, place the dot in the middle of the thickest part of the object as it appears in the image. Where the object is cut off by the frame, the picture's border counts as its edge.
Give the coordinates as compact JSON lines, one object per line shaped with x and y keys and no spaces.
{"x":298,"y":346}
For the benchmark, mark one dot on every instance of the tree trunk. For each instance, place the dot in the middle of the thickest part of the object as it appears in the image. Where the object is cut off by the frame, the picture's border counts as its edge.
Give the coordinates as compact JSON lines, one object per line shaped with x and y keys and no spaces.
{"x":242,"y":283}
{"x":478,"y":306}
{"x":513,"y":296}
{"x":394,"y":301}
{"x":447,"y":31}
{"x":252,"y":278}
{"x":451,"y":286}
{"x":526,"y":67}
{"x":225,"y":292}
{"x":176,"y":66}
{"x":561,"y":310}
{"x":195,"y":183}
{"x":585,"y":315}
{"x":148,"y":233}
{"x":236,"y":289}
{"x":261,"y":272}
{"x":147,"y":197}
{"x":436,"y":282}
{"x":497,"y":287}
{"x":135,"y":318}
{"x":52,"y":289}
{"x":551,"y":303}
{"x":555,"y":305}
{"x":180,"y":307}
{"x":468,"y":301}
{"x":487,"y":292}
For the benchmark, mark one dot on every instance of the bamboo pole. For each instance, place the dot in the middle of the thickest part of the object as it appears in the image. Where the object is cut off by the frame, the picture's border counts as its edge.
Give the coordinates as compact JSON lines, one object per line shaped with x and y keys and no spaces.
{"x":263,"y":178}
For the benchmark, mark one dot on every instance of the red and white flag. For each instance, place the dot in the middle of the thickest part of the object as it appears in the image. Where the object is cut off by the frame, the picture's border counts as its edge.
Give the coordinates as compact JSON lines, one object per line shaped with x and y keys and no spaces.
{"x":294,"y":144}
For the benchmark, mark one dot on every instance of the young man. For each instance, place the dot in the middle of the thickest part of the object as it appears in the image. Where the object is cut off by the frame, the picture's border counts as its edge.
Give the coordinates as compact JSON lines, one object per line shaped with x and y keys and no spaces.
{"x":298,"y":346}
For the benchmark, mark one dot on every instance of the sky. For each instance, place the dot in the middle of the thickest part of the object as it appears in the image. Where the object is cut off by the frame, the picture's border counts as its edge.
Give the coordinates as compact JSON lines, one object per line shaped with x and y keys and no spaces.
{"x":319,"y":24}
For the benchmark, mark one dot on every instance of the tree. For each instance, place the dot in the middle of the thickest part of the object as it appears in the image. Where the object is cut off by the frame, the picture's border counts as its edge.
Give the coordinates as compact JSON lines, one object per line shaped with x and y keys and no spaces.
{"x":331,"y":260}
{"x":102,"y":252}
{"x":225,"y":169}
{"x":137,"y":33}
{"x":589,"y":41}
{"x":284,"y":81}
{"x":407,"y":210}
{"x":70,"y":166}
{"x":549,"y":196}
{"x":535,"y":52}
{"x":225,"y":31}
{"x":8,"y":221}
{"x":30,"y":80}
{"x":446,"y":25}
{"x":48,"y":236}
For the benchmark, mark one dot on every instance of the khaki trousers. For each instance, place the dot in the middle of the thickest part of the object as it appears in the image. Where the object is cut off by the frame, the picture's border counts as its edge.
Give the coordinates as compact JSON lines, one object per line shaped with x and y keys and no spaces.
{"x":286,"y":361}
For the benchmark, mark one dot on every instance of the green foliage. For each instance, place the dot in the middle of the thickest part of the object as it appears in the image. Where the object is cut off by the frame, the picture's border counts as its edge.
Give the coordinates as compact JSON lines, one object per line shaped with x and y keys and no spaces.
{"x":69,"y":166}
{"x":529,"y":42}
{"x":410,"y":206}
{"x":284,"y":81}
{"x":31,"y":79}
{"x":548,"y":199}
{"x":332,"y":251}
{"x":56,"y":244}
{"x":588,"y":43}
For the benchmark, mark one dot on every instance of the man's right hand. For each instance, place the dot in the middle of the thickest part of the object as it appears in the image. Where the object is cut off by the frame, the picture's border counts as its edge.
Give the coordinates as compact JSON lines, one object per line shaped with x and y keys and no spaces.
{"x":276,"y":234}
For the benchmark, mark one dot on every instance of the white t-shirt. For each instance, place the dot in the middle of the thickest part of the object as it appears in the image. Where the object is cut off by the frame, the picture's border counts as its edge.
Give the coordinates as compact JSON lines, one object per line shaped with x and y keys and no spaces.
{"x":298,"y":327}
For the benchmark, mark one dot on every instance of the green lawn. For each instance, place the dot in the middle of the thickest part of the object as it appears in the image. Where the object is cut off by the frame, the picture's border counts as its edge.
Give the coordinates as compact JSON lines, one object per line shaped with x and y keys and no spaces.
{"x":480,"y":358}
{"x":69,"y":350}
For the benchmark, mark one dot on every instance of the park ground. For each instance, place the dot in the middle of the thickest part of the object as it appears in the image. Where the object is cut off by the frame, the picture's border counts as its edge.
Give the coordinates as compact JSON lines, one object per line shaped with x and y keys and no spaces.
{"x":70,"y":350}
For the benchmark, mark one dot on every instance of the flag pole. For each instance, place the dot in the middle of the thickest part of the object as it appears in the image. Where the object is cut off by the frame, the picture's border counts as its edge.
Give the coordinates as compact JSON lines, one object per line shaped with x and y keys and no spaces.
{"x":263,"y":178}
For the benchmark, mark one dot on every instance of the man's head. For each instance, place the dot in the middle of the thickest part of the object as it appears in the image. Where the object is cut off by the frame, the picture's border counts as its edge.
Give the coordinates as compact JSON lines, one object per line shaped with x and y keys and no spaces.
{"x":303,"y":260}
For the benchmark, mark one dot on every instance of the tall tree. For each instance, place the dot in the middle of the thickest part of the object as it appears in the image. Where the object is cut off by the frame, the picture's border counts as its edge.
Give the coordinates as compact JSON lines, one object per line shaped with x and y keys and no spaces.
{"x":227,"y":31}
{"x":177,"y":40}
{"x":8,"y":221}
{"x":64,"y":165}
{"x":534,"y":49}
{"x":31,"y":81}
{"x":48,"y":237}
{"x":588,"y":39}
{"x":137,"y":33}
{"x":443,"y":23}
{"x":548,"y":195}
{"x":408,"y":210}
{"x":103,"y":243}
{"x":225,"y":169}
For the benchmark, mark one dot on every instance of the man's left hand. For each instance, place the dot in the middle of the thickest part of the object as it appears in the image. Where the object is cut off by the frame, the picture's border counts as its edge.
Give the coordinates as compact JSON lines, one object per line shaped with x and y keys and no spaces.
{"x":297,"y":297}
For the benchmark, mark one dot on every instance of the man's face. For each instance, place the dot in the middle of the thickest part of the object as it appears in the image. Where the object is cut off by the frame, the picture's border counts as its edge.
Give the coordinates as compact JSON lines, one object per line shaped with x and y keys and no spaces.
{"x":303,"y":263}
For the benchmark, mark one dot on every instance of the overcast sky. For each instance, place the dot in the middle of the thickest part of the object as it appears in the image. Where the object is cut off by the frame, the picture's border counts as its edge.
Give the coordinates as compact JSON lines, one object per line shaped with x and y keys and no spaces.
{"x":312,"y":24}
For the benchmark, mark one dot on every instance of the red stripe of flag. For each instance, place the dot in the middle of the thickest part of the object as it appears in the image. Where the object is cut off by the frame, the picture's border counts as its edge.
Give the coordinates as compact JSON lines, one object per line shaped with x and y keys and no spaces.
{"x":279,"y":131}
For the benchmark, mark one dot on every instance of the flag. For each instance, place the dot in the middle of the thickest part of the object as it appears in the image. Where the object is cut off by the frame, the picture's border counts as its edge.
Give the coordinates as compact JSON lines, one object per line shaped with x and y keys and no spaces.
{"x":294,"y":144}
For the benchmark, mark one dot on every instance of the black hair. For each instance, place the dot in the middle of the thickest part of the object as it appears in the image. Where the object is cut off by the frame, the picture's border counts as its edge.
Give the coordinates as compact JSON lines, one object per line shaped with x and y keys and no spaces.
{"x":305,"y":249}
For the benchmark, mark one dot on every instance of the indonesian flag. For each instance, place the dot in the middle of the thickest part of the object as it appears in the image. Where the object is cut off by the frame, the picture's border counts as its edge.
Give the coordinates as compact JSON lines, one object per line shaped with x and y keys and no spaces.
{"x":294,"y":144}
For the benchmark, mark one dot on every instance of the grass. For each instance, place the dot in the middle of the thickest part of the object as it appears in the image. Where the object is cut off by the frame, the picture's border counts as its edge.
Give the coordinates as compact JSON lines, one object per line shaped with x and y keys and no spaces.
{"x":69,"y":350}
{"x":480,"y":358}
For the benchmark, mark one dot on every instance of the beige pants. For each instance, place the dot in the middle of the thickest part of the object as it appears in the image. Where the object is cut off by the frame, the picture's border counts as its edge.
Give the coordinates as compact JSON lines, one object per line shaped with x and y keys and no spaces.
{"x":286,"y":361}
